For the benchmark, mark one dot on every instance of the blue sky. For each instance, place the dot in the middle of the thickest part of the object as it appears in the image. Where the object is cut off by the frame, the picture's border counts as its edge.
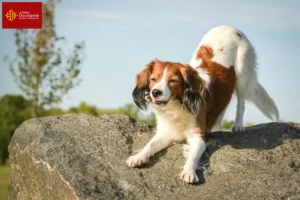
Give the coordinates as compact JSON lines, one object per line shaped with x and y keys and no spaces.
{"x":123,"y":36}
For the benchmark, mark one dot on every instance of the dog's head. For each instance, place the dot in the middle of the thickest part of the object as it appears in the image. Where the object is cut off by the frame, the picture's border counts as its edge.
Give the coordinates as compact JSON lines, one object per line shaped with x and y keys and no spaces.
{"x":163,"y":82}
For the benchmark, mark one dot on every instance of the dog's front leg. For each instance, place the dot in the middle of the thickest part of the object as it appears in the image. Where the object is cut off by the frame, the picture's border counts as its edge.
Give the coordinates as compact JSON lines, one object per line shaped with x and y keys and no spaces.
{"x":156,"y":144}
{"x":196,"y":149}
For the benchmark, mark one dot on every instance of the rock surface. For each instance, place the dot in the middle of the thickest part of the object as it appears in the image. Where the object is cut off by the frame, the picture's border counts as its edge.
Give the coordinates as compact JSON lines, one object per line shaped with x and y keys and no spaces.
{"x":77,"y":156}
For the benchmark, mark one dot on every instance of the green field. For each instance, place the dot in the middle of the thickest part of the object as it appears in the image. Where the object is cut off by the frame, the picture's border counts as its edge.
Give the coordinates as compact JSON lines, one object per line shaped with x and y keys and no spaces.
{"x":4,"y":181}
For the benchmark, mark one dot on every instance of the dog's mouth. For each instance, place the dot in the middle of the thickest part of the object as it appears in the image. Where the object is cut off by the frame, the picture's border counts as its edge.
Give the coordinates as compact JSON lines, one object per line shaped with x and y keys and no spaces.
{"x":160,"y":103}
{"x":155,"y":101}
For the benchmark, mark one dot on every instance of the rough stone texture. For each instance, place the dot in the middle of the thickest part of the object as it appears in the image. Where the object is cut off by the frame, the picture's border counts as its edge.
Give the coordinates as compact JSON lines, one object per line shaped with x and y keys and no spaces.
{"x":83,"y":157}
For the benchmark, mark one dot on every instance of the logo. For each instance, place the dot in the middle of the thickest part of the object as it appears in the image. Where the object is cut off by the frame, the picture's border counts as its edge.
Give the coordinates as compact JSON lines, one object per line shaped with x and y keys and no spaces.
{"x":11,"y":15}
{"x":22,"y":15}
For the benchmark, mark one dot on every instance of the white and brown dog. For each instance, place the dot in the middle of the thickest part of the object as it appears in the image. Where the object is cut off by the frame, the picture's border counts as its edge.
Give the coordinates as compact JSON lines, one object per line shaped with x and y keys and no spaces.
{"x":190,"y":100}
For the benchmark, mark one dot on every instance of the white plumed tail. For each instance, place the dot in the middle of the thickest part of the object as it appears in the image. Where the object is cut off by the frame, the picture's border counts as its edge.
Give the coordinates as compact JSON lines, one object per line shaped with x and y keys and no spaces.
{"x":259,"y":96}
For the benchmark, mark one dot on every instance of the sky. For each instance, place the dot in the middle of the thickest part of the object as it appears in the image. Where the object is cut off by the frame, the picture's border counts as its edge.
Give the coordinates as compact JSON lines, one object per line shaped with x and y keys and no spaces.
{"x":121,"y":37}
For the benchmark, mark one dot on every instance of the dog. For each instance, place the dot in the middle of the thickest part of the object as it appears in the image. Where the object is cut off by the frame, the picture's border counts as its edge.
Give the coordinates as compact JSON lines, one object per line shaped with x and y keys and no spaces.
{"x":190,"y":100}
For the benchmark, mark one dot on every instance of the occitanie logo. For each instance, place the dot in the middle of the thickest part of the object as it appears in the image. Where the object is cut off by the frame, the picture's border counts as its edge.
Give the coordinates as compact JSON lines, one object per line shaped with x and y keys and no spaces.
{"x":22,"y":15}
{"x":11,"y":15}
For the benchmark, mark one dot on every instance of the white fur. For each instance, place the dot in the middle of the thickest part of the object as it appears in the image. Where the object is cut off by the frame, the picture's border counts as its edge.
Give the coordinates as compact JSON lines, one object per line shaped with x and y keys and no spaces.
{"x":205,"y":76}
{"x":230,"y":49}
{"x":162,"y":86}
{"x":202,"y":72}
{"x":173,"y":121}
{"x":196,"y":149}
{"x":194,"y":61}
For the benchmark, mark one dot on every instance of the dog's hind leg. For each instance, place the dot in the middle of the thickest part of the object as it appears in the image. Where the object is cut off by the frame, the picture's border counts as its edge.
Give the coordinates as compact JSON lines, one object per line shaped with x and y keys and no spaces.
{"x":240,"y":109}
{"x":245,"y":69}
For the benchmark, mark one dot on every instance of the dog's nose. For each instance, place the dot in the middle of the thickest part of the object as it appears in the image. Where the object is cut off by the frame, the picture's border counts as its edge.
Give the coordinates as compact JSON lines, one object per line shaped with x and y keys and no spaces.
{"x":156,"y":93}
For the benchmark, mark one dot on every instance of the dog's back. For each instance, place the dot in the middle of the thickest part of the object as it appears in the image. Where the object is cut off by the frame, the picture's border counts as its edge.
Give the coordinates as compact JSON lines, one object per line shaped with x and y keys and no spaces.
{"x":221,"y":50}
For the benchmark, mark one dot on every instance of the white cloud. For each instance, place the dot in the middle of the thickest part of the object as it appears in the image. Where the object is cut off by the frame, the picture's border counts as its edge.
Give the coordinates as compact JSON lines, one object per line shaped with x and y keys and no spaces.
{"x":94,"y":14}
{"x":204,"y":14}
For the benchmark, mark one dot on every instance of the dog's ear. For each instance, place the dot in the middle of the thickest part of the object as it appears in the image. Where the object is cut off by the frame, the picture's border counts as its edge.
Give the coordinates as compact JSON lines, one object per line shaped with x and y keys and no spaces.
{"x":141,"y":90}
{"x":193,"y":90}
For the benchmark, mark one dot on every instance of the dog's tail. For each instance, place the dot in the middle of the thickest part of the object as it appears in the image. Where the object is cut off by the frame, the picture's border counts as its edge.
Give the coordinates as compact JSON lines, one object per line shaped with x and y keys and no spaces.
{"x":259,"y":96}
{"x":254,"y":92}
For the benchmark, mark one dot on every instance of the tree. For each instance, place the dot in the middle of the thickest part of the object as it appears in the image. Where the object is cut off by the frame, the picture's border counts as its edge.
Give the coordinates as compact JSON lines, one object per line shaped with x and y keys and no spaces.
{"x":41,"y":69}
{"x":14,"y":110}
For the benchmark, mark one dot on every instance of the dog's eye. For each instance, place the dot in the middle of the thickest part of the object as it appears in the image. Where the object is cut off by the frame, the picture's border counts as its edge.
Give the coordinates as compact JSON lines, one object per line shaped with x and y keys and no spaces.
{"x":173,"y":81}
{"x":153,"y":79}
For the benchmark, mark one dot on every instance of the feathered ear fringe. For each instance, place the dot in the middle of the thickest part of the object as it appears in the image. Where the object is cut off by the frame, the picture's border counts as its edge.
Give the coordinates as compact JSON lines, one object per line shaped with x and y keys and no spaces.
{"x":191,"y":100}
{"x":140,"y":96}
{"x":193,"y":90}
{"x":140,"y":93}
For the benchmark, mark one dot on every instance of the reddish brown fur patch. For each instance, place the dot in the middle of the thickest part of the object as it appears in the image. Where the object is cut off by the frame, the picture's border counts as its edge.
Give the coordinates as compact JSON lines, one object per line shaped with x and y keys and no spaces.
{"x":205,"y":53}
{"x":156,"y":73}
{"x":196,"y":82}
{"x":142,"y":79}
{"x":175,"y":74}
{"x":222,"y":84}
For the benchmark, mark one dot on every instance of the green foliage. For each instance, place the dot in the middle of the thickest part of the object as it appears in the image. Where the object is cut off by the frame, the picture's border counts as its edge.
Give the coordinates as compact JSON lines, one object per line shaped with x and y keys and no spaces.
{"x":133,"y":111}
{"x":226,"y":124}
{"x":128,"y":109}
{"x":4,"y":181}
{"x":248,"y":124}
{"x":14,"y":110}
{"x":85,"y":108}
{"x":41,"y":68}
{"x":51,"y":112}
{"x":148,"y":119}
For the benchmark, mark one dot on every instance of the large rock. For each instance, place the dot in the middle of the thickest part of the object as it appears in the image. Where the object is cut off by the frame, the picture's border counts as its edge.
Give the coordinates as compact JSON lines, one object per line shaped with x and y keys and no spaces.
{"x":83,"y":157}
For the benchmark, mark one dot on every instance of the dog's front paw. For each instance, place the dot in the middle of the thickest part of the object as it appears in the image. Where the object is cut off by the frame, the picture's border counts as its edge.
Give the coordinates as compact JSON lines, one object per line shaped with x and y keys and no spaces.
{"x":237,"y":128}
{"x":137,"y":160}
{"x":189,"y":176}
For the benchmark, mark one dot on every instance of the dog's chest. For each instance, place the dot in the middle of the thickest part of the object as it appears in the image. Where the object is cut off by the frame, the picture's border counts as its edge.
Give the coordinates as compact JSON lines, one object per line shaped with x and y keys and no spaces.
{"x":175,"y":124}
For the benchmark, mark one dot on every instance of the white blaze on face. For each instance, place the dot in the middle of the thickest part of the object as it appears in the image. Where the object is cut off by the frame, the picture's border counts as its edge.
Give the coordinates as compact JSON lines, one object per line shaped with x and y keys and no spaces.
{"x":163,"y":87}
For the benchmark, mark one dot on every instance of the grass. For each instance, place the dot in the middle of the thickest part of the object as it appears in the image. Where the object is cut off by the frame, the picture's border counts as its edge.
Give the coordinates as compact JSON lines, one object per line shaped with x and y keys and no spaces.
{"x":4,"y":181}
